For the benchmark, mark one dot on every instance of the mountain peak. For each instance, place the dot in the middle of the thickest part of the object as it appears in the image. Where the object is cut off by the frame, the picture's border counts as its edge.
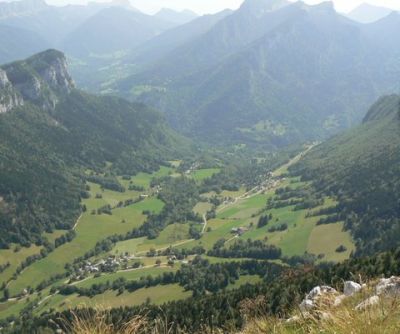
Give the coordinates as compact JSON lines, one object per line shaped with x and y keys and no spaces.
{"x":22,"y":7}
{"x":52,"y":66}
{"x":122,"y":3}
{"x":178,"y":17}
{"x":259,"y":7}
{"x":366,"y":13}
{"x":39,"y":79}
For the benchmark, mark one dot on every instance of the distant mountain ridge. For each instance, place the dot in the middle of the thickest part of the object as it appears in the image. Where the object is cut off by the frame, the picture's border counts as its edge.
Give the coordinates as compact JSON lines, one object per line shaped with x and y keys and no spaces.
{"x":272,"y":73}
{"x":113,"y":29}
{"x":160,"y":46}
{"x":366,"y":13}
{"x":21,"y":8}
{"x":176,"y":17}
{"x":116,"y":25}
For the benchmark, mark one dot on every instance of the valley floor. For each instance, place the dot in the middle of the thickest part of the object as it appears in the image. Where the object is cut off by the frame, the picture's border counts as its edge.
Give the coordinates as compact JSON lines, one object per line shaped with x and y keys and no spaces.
{"x":236,"y":218}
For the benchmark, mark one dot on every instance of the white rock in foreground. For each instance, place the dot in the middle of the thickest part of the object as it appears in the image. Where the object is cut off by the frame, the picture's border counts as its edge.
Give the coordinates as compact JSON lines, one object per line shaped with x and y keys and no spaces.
{"x":338,"y":300}
{"x":371,"y":301}
{"x":310,"y":302}
{"x":350,"y":288}
{"x":389,"y":286}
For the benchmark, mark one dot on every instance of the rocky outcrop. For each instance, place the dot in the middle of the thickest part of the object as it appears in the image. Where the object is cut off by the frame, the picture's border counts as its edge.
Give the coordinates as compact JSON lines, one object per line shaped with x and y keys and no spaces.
{"x":322,"y":297}
{"x":386,"y":288}
{"x":350,"y":288}
{"x":9,"y":101}
{"x":316,"y":296}
{"x":4,"y":82}
{"x":389,"y":287}
{"x":9,"y":98}
{"x":40,"y":79}
{"x":56,"y":74}
{"x":371,"y":301}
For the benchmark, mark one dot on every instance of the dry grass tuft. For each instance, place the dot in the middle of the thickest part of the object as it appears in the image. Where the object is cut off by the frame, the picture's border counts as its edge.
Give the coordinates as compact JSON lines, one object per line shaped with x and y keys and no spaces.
{"x":95,"y":322}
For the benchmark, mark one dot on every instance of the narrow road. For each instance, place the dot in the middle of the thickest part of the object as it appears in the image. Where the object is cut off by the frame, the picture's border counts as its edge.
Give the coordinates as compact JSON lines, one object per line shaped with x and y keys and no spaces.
{"x":204,"y":224}
{"x":77,"y":222}
{"x":229,"y":240}
{"x":276,"y":173}
{"x":170,"y":246}
{"x":162,"y":265}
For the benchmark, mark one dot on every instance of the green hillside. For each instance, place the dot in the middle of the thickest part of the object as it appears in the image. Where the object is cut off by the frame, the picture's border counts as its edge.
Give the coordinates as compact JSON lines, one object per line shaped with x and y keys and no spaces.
{"x":54,"y":134}
{"x":361,"y":168}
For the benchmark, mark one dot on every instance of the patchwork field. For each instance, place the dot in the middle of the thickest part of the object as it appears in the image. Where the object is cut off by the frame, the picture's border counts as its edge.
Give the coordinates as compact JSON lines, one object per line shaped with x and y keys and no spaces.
{"x":239,"y":211}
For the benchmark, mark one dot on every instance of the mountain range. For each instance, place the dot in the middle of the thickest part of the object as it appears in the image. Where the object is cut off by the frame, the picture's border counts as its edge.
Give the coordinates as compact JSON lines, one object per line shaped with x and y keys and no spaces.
{"x":72,"y":28}
{"x":271,"y":72}
{"x":176,"y":17}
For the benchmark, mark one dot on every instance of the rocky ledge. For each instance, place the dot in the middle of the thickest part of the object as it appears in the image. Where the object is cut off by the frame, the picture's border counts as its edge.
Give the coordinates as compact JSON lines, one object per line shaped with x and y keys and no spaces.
{"x":321,"y":299}
{"x":9,"y":98}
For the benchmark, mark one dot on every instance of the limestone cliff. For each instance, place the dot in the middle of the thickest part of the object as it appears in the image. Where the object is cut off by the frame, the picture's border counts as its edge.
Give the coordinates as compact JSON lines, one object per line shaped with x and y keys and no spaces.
{"x":40,"y":80}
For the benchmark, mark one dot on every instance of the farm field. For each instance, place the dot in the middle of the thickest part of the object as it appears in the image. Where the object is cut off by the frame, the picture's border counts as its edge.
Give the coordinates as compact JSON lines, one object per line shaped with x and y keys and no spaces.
{"x":14,"y":258}
{"x":90,"y":229}
{"x":202,"y":174}
{"x":301,"y":236}
{"x":239,"y":210}
{"x":326,"y":238}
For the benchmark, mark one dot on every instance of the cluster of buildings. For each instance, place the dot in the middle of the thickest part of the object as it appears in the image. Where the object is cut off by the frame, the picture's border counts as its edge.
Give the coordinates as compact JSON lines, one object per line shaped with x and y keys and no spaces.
{"x":239,"y":230}
{"x":111,"y":264}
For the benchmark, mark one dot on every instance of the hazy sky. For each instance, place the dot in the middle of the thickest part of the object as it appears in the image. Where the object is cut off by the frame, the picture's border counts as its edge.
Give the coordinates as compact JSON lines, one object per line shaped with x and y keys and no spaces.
{"x":211,"y":6}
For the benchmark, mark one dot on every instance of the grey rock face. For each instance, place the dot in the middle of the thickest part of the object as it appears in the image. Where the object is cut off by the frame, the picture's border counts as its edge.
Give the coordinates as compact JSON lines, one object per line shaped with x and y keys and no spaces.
{"x":40,"y":80}
{"x":8,"y":96}
{"x":4,"y":82}
{"x":9,"y":100}
{"x":57,"y":77}
{"x":30,"y":89}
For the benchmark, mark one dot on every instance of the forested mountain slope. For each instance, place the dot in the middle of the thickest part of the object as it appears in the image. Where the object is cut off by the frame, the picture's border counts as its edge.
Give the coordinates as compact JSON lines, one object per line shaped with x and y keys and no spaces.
{"x":50,"y":133}
{"x":362,"y":169}
{"x":272,"y":73}
{"x":160,"y":46}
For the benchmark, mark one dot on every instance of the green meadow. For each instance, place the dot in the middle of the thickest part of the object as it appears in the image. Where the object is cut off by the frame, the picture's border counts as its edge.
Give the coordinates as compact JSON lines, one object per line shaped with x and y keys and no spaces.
{"x":90,"y":229}
{"x":202,"y":174}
